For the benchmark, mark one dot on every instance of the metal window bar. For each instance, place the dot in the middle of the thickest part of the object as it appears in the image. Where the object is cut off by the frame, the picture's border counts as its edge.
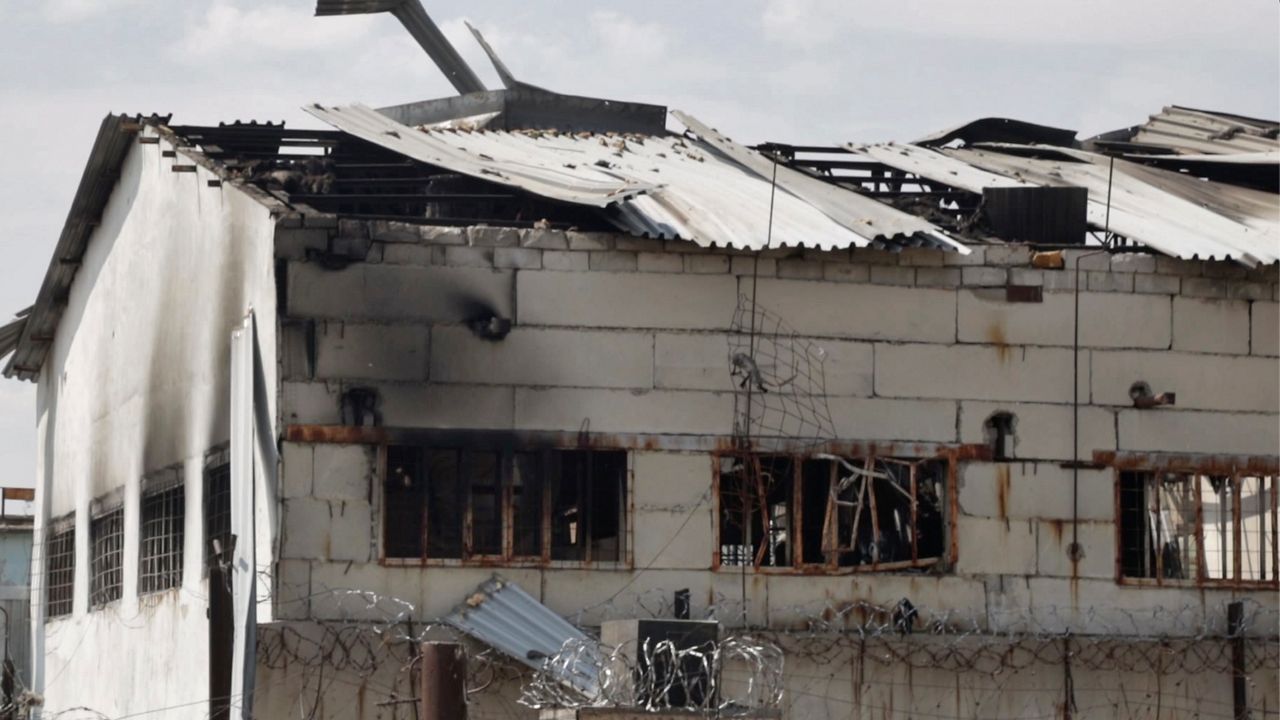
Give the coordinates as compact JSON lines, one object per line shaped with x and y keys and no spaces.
{"x":217,"y":509}
{"x":60,"y":572}
{"x":106,"y":560}
{"x":160,"y":553}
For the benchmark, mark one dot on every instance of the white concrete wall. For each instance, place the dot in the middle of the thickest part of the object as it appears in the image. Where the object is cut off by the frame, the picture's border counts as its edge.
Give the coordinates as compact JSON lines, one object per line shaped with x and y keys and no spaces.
{"x":137,"y":380}
{"x":629,"y":336}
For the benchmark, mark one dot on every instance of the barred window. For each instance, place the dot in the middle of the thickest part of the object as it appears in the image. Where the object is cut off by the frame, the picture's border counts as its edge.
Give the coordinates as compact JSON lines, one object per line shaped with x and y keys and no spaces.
{"x":60,"y":568}
{"x":161,"y":545}
{"x":106,"y":533}
{"x":217,"y":503}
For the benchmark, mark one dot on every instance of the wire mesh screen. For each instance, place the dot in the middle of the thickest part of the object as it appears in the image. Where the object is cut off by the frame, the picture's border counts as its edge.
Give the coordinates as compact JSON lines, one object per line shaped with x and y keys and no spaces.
{"x":217,"y":508}
{"x":107,"y":534}
{"x":161,"y":543}
{"x":780,"y":378}
{"x":60,"y":572}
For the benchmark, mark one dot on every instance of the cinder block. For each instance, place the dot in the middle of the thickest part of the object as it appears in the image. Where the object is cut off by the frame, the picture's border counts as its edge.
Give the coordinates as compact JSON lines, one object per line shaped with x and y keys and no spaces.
{"x":660,"y":262}
{"x":343,"y":472}
{"x":1179,"y":267}
{"x":1157,"y":284}
{"x":469,"y":256}
{"x":293,"y":590}
{"x":870,"y":312}
{"x":327,"y":530}
{"x":844,"y":272}
{"x":448,"y":406}
{"x":1061,"y":280}
{"x":1133,"y":263}
{"x":442,"y":235}
{"x":293,"y":244}
{"x":922,"y":257}
{"x":1087,"y":260}
{"x":800,"y":269}
{"x":1009,"y":255}
{"x":943,"y":277}
{"x":706,"y":264}
{"x":544,"y":239}
{"x":893,"y":275}
{"x":868,"y":256}
{"x":977,"y":256}
{"x":673,"y":510}
{"x":385,"y":231}
{"x":637,"y":244}
{"x":1228,"y":269}
{"x":311,"y":403}
{"x":297,"y":469}
{"x":1204,"y":287}
{"x":1109,"y":282}
{"x":1106,"y":319}
{"x":1097,"y":540}
{"x":544,"y":357}
{"x":493,"y":236}
{"x":1027,"y":277}
{"x":316,"y":292}
{"x":1264,"y":326}
{"x":439,"y":294}
{"x":683,"y":413}
{"x":613,"y":261}
{"x":1042,"y":431}
{"x":589,"y":241}
{"x":1027,"y":374}
{"x":900,"y":420}
{"x":702,"y":362}
{"x":1249,"y":291}
{"x":1034,"y":491}
{"x":373,"y":352}
{"x":1211,"y":326}
{"x":1181,"y":431}
{"x":685,"y":302}
{"x":996,"y":547}
{"x":518,"y":258}
{"x":984,"y":276}
{"x":1202,"y":382}
{"x":749,"y":265}
{"x":404,"y":254}
{"x":566,"y":261}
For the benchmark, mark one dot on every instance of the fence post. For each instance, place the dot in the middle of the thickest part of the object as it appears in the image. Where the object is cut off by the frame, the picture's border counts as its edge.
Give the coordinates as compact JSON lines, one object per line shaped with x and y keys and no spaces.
{"x":443,"y":681}
{"x":1235,"y":630}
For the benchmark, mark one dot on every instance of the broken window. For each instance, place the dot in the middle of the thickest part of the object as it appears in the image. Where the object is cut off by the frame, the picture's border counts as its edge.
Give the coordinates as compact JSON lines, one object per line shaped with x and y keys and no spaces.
{"x":106,"y":535}
{"x":60,"y":567}
{"x":217,"y":503}
{"x":877,"y":513}
{"x":506,"y":505}
{"x":160,"y":544}
{"x":1201,"y":528}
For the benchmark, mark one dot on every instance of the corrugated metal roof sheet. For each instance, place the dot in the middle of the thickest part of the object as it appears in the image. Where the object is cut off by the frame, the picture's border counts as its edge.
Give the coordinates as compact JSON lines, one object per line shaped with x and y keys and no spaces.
{"x":655,"y":186}
{"x":11,"y":332}
{"x":1196,"y":132}
{"x":502,"y":615}
{"x":1182,"y":216}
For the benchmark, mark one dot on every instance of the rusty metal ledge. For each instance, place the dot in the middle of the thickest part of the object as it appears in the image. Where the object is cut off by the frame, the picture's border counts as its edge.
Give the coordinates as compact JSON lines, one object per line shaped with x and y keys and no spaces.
{"x":516,"y":439}
{"x":1192,"y":463}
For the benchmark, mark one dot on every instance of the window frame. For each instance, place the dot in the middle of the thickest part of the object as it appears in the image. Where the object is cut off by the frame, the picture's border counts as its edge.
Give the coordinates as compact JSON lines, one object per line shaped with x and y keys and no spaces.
{"x":217,"y":465}
{"x":165,"y":491}
{"x":508,"y":451}
{"x":62,"y":532}
{"x":948,"y":459}
{"x":1200,"y":472}
{"x":102,"y":592}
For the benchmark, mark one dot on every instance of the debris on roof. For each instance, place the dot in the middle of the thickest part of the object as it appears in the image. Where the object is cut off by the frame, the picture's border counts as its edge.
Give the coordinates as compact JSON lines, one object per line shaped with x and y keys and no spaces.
{"x":1187,"y":131}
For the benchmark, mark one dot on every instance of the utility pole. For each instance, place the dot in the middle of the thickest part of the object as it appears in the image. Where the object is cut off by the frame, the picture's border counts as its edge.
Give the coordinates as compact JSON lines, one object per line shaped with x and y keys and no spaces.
{"x":443,"y":687}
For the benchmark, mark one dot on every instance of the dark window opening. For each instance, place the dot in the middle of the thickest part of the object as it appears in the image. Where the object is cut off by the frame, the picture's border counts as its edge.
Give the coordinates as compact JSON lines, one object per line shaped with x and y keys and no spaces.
{"x":60,"y":568}
{"x":106,"y":534}
{"x":880,"y":513}
{"x":999,"y":430}
{"x":456,"y":504}
{"x":217,"y":504}
{"x":160,"y":545}
{"x":1206,"y":528}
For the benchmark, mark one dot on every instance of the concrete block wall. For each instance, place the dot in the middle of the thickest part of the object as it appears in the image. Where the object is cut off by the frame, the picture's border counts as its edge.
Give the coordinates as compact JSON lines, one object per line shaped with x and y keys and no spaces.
{"x":624,"y":335}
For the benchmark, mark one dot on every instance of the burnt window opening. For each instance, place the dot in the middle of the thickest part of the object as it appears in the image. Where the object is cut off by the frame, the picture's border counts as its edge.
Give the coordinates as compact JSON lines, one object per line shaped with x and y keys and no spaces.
{"x":161,"y":536}
{"x":106,"y":535}
{"x":504,"y":505}
{"x":1000,"y":430}
{"x":60,"y":568}
{"x":217,"y":503}
{"x":826,"y":511}
{"x":1192,"y":528}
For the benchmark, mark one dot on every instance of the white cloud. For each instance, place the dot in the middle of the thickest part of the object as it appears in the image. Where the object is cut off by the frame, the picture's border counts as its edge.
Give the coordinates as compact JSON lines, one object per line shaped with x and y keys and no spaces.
{"x":229,"y":29}
{"x":63,"y":11}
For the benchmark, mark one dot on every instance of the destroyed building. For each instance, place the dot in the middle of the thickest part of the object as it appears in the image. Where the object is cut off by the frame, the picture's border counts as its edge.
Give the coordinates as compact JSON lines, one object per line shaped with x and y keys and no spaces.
{"x":981,"y":425}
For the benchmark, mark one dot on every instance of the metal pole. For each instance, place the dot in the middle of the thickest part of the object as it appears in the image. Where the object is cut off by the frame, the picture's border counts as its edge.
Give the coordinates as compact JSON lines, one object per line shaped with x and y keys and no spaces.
{"x":1235,"y":630}
{"x":443,"y":688}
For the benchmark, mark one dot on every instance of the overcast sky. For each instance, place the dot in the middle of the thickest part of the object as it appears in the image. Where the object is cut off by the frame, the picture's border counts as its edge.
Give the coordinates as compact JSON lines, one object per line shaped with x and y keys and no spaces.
{"x":806,"y":71}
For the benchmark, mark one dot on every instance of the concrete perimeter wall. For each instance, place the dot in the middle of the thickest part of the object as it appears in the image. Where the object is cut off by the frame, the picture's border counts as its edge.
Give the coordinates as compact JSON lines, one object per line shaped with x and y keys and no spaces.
{"x":626,"y":335}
